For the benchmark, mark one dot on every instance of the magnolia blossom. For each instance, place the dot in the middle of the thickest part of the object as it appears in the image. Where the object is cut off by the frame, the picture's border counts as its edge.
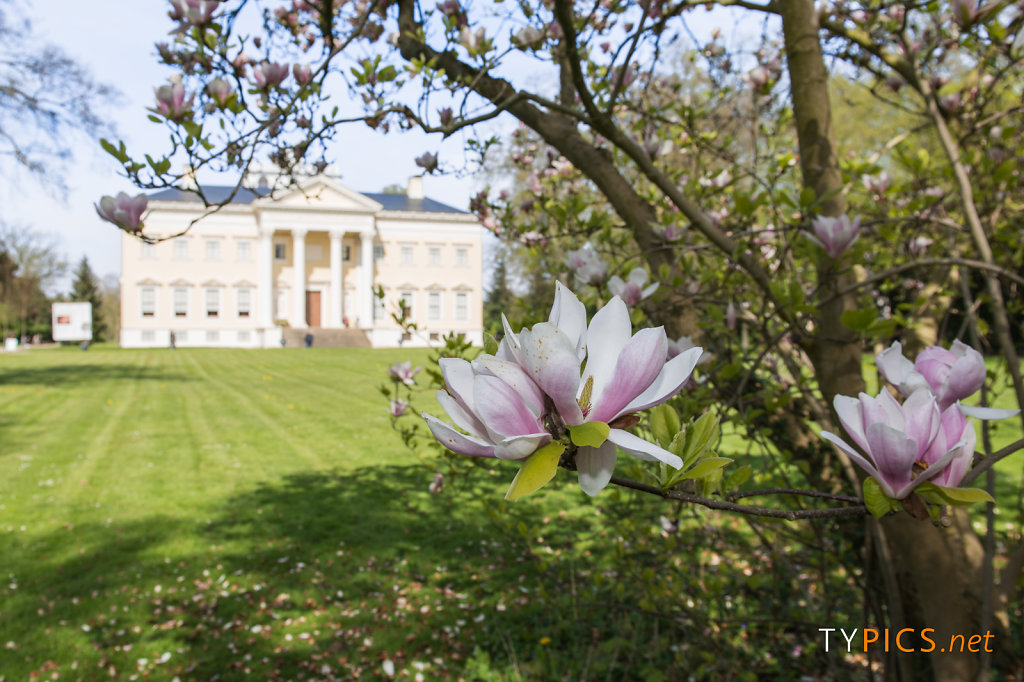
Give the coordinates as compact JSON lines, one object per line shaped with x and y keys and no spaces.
{"x":220,"y":91}
{"x":951,"y":375}
{"x":835,"y":235}
{"x":171,"y":102}
{"x":427,"y":161}
{"x":502,"y":419}
{"x":269,"y":75}
{"x":897,"y":437}
{"x":877,"y":184}
{"x":403,"y":371}
{"x":532,"y":391}
{"x":632,"y":291}
{"x":587,"y":265}
{"x":193,"y":12}
{"x":475,"y":42}
{"x":954,"y":428}
{"x":123,"y":210}
{"x":303,"y":74}
{"x":625,"y":373}
{"x":398,"y":407}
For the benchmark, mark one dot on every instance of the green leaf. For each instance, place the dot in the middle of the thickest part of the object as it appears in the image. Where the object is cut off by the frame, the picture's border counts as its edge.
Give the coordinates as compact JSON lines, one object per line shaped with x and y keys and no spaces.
{"x":706,"y":467}
{"x":858,"y":320}
{"x":738,"y":477}
{"x":117,"y":152}
{"x":807,"y":196}
{"x":537,"y":470}
{"x":877,"y":502}
{"x":490,"y":344}
{"x":959,"y":497}
{"x":593,"y":434}
{"x":664,"y":424}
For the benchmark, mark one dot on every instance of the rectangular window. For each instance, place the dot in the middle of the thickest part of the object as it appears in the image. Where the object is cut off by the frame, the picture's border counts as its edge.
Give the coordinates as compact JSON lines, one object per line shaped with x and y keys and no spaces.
{"x":434,"y":305}
{"x":212,"y":336}
{"x":314,"y":253}
{"x":147,"y":301}
{"x":406,"y":255}
{"x":180,"y":249}
{"x":244,"y":297}
{"x":281,"y":305}
{"x":461,"y":306}
{"x":212,"y":249}
{"x":149,"y":336}
{"x":405,"y":301}
{"x":346,"y":253}
{"x":280,"y":251}
{"x":243,"y":250}
{"x":243,"y":336}
{"x":378,"y":252}
{"x":461,"y":256}
{"x":180,"y":337}
{"x":434,"y":255}
{"x":213,"y":302}
{"x":180,"y":302}
{"x":148,"y":251}
{"x":378,"y":308}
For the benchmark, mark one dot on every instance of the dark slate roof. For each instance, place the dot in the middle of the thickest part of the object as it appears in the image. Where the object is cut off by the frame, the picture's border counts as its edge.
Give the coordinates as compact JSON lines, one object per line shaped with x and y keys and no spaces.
{"x":218,"y":193}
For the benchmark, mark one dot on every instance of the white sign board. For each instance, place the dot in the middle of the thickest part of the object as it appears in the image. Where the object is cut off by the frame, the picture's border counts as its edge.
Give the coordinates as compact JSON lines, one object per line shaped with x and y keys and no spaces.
{"x":72,"y":321}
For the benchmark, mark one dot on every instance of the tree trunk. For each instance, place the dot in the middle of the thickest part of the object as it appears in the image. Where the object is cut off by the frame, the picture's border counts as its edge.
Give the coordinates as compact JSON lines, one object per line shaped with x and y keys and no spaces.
{"x":937,"y":570}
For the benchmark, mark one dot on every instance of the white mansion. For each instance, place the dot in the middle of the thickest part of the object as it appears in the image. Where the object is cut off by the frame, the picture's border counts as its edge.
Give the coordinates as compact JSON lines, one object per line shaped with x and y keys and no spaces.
{"x":309,"y":260}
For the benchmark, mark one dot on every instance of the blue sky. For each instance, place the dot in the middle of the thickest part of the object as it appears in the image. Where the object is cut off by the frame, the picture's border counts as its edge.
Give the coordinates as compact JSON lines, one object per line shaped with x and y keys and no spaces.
{"x":115,"y":41}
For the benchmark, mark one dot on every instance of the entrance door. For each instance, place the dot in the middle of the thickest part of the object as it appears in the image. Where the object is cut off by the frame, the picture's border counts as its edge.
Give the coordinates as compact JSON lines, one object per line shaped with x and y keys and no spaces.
{"x":313,"y":308}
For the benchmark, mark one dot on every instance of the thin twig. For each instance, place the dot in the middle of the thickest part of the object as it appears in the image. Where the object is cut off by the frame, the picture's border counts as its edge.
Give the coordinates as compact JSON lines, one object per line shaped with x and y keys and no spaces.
{"x":788,"y":514}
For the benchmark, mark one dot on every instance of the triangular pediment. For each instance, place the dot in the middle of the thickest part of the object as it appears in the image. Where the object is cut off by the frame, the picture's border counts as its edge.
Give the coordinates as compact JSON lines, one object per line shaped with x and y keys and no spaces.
{"x":321,"y":193}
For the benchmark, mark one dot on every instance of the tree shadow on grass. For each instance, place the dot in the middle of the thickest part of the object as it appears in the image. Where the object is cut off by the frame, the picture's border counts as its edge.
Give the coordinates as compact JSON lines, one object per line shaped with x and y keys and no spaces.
{"x":85,"y":373}
{"x":315,"y":576}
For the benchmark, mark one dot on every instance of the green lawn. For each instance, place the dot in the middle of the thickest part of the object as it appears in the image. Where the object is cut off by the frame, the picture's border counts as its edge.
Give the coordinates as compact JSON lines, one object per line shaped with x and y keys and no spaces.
{"x":199,"y":514}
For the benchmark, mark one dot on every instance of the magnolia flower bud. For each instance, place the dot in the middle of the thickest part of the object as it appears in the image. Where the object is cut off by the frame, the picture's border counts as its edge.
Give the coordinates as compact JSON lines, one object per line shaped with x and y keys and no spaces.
{"x":427,"y":161}
{"x":303,"y":74}
{"x":835,"y":235}
{"x":123,"y":210}
{"x":268,"y":75}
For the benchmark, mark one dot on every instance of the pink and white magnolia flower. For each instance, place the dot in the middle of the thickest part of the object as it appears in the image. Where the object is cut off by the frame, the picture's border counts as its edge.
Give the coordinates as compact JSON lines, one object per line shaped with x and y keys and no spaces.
{"x":193,"y":12}
{"x":171,"y":102}
{"x":835,"y":235}
{"x":403,"y":372}
{"x":625,"y":373}
{"x":427,"y":161}
{"x":587,"y":265}
{"x":303,"y":74}
{"x":267,"y":75}
{"x":632,"y":291}
{"x":951,"y":375}
{"x":954,"y":430}
{"x":123,"y":210}
{"x":398,"y":407}
{"x":220,"y":91}
{"x":895,"y":438}
{"x":500,"y":419}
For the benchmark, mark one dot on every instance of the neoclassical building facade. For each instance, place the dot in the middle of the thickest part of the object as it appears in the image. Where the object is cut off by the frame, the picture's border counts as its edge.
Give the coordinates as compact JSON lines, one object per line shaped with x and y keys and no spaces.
{"x":311,"y":258}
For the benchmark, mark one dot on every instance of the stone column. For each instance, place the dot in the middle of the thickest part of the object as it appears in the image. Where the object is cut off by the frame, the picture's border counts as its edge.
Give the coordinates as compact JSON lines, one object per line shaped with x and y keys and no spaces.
{"x":335,"y":302}
{"x":265,"y":277}
{"x":365,"y":304}
{"x":299,"y":278}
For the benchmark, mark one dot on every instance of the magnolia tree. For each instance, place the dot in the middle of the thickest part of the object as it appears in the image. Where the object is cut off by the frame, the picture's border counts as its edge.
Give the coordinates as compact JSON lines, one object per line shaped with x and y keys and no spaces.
{"x":732,"y":262}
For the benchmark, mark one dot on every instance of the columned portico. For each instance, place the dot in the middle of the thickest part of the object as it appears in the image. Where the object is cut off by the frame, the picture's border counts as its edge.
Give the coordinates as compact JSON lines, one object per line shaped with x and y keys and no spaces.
{"x":365,"y":291}
{"x":335,"y":301}
{"x":298,"y":320}
{"x":265,"y":279}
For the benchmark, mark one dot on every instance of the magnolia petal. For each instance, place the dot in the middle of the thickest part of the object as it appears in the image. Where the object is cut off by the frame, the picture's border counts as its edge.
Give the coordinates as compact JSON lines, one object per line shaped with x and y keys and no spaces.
{"x":638,"y":366}
{"x":550,"y":360}
{"x":609,"y":332}
{"x":986,"y":413}
{"x":650,"y":290}
{"x":513,"y":375}
{"x":859,"y":460}
{"x":570,"y":315}
{"x":894,"y":454}
{"x":458,"y":377}
{"x":457,"y":442}
{"x":669,"y":381}
{"x":520,"y":447}
{"x":595,"y":467}
{"x":923,"y":419}
{"x":463,"y":418}
{"x":851,"y":417}
{"x":501,"y":409}
{"x":643,"y":450}
{"x":512,"y":344}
